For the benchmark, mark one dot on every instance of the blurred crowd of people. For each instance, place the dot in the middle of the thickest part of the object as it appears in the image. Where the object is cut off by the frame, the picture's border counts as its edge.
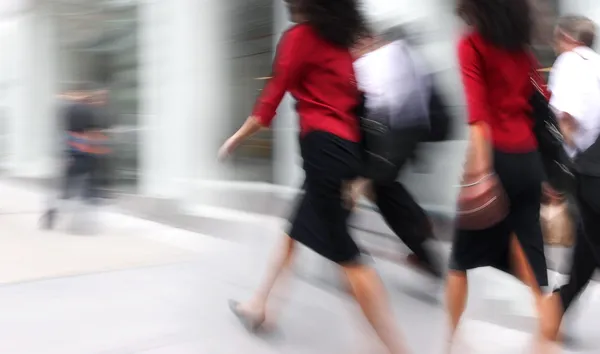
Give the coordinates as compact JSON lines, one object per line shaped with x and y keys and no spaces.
{"x":366,"y":101}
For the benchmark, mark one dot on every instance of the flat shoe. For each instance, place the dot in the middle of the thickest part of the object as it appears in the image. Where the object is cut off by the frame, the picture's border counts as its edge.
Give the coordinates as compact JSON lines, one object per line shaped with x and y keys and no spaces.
{"x":252,"y":322}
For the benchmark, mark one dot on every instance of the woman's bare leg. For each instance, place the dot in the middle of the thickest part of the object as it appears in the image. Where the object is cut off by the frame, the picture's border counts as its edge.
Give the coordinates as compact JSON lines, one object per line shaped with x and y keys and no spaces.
{"x":256,"y":306}
{"x":368,"y":290}
{"x":524,"y":272}
{"x":456,"y":299}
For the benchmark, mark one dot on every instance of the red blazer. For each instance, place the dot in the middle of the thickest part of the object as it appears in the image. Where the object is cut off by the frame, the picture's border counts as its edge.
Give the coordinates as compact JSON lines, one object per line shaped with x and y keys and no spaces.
{"x":320,"y":76}
{"x":497,"y":87}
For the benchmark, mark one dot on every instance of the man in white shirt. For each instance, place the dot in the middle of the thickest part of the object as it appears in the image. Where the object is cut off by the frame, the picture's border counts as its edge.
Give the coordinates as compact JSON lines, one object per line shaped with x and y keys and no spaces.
{"x":395,"y":83}
{"x":397,"y":91}
{"x":575,"y":88}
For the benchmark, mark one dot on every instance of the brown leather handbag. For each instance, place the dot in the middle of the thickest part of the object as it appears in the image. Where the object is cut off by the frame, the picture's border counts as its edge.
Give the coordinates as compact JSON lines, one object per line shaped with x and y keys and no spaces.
{"x":557,"y":226}
{"x":482,"y":203}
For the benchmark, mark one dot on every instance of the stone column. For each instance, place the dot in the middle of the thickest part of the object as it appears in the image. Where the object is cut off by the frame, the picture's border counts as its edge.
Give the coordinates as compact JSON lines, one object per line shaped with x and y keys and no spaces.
{"x":286,"y":154}
{"x":32,"y":109}
{"x":183,"y":106}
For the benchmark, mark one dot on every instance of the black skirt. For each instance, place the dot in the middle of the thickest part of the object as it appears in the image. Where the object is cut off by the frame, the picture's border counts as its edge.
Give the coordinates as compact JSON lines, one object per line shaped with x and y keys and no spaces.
{"x":522,"y":176}
{"x":320,"y":220}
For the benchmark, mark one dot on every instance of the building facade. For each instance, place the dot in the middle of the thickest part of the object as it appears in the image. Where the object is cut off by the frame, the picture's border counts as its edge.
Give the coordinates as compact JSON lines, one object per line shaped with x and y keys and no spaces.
{"x":183,"y":75}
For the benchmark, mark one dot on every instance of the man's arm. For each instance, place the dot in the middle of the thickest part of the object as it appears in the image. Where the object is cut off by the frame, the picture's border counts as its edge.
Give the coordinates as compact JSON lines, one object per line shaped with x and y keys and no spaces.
{"x":568,"y":126}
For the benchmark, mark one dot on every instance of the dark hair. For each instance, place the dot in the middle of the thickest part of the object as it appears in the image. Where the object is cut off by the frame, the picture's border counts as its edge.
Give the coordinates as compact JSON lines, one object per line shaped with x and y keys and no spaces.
{"x":340,"y":22}
{"x":504,"y":23}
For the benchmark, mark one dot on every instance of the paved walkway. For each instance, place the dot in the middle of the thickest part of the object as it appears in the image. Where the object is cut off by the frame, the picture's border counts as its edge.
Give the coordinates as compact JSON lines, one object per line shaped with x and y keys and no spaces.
{"x":141,"y":287}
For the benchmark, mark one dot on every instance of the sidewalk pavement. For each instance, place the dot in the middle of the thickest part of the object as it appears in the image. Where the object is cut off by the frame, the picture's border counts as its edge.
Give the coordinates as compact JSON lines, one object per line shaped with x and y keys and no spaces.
{"x":145,"y":288}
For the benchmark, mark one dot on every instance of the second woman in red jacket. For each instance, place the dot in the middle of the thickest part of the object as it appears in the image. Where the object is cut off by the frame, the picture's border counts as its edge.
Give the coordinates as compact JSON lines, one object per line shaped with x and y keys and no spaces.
{"x":496,"y":66}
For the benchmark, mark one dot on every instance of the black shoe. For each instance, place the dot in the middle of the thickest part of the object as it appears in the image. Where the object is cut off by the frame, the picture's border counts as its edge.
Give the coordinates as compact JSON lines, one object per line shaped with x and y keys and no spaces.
{"x":47,"y":221}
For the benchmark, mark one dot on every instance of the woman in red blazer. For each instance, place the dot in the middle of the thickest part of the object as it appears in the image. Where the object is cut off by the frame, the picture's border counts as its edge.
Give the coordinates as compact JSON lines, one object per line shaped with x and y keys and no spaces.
{"x":314,"y":64}
{"x":496,"y":66}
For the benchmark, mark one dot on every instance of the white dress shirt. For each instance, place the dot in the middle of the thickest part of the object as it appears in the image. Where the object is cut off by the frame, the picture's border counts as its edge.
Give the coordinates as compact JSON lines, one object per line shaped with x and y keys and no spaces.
{"x":395,"y":84}
{"x":575,"y":87}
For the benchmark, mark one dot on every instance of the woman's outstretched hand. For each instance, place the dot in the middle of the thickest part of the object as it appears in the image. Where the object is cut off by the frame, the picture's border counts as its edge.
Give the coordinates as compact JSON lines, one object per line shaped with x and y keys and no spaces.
{"x":227,"y":148}
{"x":249,"y":128}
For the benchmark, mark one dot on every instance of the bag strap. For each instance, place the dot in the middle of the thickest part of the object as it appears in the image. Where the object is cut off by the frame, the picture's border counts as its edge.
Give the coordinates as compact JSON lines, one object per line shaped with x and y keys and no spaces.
{"x":534,"y":75}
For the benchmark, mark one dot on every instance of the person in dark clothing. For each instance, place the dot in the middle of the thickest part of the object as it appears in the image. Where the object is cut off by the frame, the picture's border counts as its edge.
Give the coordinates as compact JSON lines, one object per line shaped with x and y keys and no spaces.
{"x":84,"y":143}
{"x":104,"y":120}
{"x":576,"y":96}
{"x":409,"y":222}
{"x":405,"y":107}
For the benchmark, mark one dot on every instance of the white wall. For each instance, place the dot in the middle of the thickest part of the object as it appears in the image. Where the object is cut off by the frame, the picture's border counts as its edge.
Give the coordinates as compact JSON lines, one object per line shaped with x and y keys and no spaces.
{"x":7,"y":78}
{"x":183,"y":103}
{"x":589,"y":8}
{"x":30,"y":95}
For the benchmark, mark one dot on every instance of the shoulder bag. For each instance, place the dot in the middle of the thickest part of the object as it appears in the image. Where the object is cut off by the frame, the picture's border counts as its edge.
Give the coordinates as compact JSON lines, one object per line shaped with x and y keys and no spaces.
{"x":482,"y":201}
{"x":555,"y":160}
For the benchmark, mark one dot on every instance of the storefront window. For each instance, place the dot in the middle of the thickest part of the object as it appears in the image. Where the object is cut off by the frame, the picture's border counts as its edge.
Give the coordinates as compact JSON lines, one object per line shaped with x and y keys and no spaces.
{"x":545,"y":15}
{"x":252,"y":48}
{"x":99,"y":46}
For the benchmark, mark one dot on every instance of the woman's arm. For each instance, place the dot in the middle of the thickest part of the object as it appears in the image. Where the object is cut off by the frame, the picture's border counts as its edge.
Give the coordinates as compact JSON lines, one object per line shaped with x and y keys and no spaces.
{"x":472,"y":74}
{"x":286,"y":67}
{"x":249,"y":128}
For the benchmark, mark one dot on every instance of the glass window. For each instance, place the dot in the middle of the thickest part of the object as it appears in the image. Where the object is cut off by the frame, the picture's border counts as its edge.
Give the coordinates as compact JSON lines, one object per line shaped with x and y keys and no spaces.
{"x":252,"y":48}
{"x":99,"y":46}
{"x":545,"y":14}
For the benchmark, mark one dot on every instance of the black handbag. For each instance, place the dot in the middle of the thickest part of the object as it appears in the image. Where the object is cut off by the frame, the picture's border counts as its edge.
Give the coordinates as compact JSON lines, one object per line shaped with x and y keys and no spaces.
{"x":440,"y":120}
{"x":377,"y":142}
{"x":557,"y":164}
{"x":386,"y":150}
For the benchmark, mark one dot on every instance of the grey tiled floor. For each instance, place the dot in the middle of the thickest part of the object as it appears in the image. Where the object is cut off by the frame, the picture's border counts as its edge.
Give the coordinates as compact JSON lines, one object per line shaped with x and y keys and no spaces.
{"x":180,"y":306}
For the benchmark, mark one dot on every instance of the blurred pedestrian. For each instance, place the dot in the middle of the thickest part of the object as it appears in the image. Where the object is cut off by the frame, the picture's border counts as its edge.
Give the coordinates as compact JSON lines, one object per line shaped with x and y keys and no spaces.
{"x":397,"y":90}
{"x":104,"y":123}
{"x":496,"y":66}
{"x":575,"y":87}
{"x":313,"y":62}
{"x":84,"y":143}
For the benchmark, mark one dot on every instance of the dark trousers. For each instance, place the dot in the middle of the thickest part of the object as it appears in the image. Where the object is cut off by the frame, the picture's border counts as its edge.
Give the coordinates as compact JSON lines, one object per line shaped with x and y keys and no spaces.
{"x":407,"y":219}
{"x":79,"y":177}
{"x":586,"y":256}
